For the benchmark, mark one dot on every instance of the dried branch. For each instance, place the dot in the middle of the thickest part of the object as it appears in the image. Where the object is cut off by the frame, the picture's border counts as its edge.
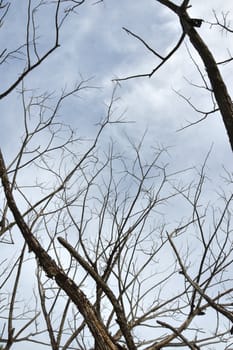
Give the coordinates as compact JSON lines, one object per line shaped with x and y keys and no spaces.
{"x":54,"y":272}
{"x":121,"y":319}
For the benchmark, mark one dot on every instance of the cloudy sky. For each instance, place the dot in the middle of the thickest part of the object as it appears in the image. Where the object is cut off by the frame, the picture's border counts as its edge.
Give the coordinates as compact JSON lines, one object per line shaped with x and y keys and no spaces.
{"x":94,"y":47}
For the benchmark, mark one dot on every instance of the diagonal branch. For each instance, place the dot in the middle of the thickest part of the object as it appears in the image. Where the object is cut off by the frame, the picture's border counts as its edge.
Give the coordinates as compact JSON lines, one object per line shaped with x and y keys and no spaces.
{"x":163,"y":59}
{"x":220,"y":90}
{"x":53,"y":271}
{"x":121,"y":319}
{"x":181,"y":336}
{"x":196,"y":286}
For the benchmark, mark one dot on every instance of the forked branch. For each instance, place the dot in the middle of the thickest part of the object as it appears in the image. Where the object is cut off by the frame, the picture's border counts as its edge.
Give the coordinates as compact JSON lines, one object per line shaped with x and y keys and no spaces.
{"x":53,"y":271}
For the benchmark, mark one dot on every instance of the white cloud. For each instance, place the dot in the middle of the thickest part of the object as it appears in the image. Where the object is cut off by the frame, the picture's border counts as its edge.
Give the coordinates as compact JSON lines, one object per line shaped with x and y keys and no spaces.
{"x":94,"y":44}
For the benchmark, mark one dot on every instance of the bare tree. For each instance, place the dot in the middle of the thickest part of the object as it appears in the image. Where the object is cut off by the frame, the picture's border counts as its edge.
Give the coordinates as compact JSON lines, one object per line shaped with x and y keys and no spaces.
{"x":107,"y":263}
{"x":189,"y":27}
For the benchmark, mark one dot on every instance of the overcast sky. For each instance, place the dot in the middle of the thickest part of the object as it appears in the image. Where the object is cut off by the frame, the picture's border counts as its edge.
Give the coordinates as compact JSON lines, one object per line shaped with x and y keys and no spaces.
{"x":94,"y":46}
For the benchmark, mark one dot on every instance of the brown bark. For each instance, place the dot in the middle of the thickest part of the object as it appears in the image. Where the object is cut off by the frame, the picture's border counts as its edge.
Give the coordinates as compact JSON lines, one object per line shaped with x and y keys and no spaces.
{"x":218,"y":85}
{"x":121,"y":319}
{"x":53,"y":271}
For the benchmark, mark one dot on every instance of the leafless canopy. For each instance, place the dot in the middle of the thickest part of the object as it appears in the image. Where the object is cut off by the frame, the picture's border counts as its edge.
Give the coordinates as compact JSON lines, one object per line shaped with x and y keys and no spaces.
{"x":117,"y":252}
{"x":189,"y":28}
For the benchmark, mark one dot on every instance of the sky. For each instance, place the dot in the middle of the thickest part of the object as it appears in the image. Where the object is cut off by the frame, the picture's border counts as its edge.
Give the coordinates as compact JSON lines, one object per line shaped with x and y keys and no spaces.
{"x":95,"y":48}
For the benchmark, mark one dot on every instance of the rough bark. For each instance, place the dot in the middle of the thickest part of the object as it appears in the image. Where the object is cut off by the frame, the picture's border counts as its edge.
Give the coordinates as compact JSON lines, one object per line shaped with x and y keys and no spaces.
{"x":219,"y":87}
{"x":121,"y":319}
{"x":53,"y":271}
